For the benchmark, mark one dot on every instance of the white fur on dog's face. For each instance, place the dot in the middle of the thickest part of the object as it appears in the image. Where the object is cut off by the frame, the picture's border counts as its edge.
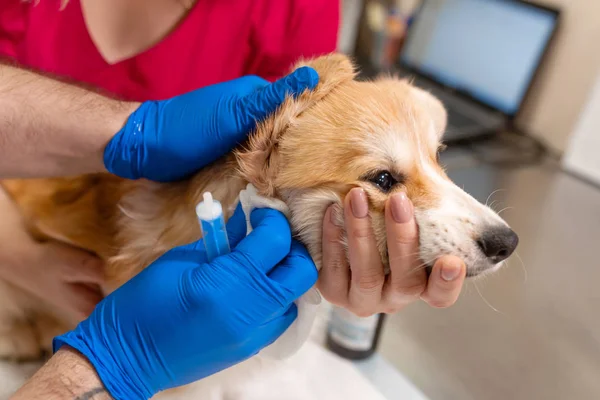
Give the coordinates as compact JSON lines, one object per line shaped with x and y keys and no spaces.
{"x":386,"y":125}
{"x":455,"y":225}
{"x":457,"y":221}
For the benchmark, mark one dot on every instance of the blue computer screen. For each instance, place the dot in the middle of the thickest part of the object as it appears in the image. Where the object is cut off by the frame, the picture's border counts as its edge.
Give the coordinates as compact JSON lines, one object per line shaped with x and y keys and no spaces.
{"x":488,"y":48}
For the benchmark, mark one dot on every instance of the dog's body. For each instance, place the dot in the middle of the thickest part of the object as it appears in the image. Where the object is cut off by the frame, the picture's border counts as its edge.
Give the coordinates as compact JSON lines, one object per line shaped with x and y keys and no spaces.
{"x":382,"y":136}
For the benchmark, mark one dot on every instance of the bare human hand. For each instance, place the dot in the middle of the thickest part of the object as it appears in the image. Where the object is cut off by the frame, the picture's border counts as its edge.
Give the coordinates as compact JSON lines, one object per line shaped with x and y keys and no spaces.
{"x":65,"y":277}
{"x":362,"y":287}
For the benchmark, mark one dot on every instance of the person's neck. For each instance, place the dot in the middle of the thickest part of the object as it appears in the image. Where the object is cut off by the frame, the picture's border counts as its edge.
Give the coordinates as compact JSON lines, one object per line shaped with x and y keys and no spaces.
{"x":122,"y":29}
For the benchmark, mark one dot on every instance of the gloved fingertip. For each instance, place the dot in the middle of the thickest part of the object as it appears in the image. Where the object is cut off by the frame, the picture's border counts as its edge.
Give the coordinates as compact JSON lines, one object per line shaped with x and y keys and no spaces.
{"x":262,"y":102}
{"x":296,"y":83}
{"x":259,"y":216}
{"x":273,"y":226}
{"x":300,"y":249}
{"x":270,"y":240}
{"x":303,"y":78}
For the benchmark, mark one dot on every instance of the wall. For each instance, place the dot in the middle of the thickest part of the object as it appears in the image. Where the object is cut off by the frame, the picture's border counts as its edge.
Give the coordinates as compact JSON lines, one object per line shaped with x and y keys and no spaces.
{"x":351,"y":10}
{"x":566,"y":78}
{"x":581,"y":156}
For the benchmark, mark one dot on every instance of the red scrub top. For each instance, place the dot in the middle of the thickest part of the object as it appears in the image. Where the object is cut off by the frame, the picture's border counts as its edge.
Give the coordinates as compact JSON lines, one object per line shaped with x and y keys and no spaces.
{"x":218,"y":40}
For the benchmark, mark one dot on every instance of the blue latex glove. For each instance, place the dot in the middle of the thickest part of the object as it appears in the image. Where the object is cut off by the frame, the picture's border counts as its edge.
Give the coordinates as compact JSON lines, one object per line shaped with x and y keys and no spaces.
{"x":182,"y":319}
{"x":171,"y":139}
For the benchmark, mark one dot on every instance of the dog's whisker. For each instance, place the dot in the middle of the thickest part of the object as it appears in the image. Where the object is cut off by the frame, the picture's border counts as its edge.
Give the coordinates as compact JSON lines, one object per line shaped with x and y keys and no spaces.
{"x":416,"y":253}
{"x":525,"y":274}
{"x":505,"y":209}
{"x":493,"y":203}
{"x":493,"y":193}
{"x":485,"y":300}
{"x":420,"y":266}
{"x":417,"y":268}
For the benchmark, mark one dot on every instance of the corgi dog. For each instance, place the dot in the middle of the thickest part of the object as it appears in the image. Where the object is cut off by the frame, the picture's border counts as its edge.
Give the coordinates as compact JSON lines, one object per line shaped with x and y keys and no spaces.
{"x":382,"y":135}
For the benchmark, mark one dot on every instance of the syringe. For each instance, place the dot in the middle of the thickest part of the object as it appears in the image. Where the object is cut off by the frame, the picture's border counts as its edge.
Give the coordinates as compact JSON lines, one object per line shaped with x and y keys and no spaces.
{"x":212,"y":223}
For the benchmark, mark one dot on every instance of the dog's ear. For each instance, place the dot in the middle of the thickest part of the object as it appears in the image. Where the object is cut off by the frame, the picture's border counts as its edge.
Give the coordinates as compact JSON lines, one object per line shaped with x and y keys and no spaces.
{"x":258,"y":161}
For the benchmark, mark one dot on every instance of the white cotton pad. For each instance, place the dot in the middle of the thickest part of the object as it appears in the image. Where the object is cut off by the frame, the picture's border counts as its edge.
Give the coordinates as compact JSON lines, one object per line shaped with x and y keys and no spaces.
{"x":297,"y":334}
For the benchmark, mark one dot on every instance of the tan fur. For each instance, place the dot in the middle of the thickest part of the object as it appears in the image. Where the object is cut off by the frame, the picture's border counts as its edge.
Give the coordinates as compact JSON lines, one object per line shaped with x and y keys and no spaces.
{"x":309,"y":154}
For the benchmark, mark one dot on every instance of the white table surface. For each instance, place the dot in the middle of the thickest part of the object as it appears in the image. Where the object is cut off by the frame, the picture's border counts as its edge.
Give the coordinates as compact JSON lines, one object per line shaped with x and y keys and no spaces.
{"x":378,"y":371}
{"x":313,"y":374}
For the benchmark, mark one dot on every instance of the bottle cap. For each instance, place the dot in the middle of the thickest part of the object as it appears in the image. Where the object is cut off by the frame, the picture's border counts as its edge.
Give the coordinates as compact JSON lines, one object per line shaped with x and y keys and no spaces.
{"x":209,"y":209}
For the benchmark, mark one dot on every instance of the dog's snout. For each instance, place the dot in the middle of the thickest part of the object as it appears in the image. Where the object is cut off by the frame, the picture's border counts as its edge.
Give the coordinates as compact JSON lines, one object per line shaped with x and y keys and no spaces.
{"x":498,"y":243}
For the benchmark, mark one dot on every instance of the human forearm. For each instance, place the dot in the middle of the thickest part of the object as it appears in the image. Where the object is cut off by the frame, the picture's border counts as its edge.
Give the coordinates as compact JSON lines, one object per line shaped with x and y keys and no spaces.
{"x":51,"y":128}
{"x":66,"y":376}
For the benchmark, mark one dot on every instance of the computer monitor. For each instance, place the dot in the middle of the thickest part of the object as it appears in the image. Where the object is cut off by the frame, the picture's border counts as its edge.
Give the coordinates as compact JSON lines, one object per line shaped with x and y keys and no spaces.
{"x":487,"y":49}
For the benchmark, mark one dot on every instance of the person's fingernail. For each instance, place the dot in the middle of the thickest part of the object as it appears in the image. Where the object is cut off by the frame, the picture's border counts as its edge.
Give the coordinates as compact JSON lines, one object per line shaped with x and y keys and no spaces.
{"x":450,"y":271}
{"x":358,"y":202}
{"x":401,"y":208}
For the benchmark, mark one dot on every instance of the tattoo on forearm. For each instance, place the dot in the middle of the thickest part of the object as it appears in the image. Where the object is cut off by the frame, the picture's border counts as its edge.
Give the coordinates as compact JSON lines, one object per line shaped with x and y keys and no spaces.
{"x":90,"y":395}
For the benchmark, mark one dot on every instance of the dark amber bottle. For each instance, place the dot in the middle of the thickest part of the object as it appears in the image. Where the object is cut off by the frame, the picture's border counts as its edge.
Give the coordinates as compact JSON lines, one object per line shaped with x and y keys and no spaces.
{"x":353,"y":337}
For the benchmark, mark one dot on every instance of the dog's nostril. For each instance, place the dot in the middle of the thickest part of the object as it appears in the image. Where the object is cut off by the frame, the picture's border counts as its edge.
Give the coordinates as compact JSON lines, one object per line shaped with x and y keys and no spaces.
{"x":498,"y":244}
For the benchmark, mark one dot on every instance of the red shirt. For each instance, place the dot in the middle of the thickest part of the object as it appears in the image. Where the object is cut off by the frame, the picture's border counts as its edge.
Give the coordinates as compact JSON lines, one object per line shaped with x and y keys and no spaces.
{"x":218,"y":40}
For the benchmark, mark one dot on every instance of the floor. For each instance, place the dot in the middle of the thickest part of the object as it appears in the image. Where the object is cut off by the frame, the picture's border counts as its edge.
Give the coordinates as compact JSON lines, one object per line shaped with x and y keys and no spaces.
{"x":531,"y":331}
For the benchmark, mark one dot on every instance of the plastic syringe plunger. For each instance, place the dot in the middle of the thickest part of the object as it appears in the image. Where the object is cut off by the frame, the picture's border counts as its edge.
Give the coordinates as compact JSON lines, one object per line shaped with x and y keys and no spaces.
{"x":212,"y":224}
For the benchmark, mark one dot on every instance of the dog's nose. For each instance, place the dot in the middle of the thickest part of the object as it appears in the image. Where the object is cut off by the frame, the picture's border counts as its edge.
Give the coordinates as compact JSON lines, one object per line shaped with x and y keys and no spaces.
{"x":498,"y":243}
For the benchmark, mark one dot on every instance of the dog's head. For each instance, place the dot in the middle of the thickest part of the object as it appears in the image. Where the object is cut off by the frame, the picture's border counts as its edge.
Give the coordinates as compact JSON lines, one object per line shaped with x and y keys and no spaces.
{"x":383,"y":136}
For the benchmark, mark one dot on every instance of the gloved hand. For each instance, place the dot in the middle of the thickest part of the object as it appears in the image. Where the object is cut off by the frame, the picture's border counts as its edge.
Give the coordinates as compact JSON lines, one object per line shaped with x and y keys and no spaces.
{"x":182,"y":319}
{"x":171,"y":139}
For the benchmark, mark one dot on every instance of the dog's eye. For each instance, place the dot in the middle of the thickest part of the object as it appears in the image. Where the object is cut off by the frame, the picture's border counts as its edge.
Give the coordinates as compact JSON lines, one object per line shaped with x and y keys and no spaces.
{"x":384,"y":181}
